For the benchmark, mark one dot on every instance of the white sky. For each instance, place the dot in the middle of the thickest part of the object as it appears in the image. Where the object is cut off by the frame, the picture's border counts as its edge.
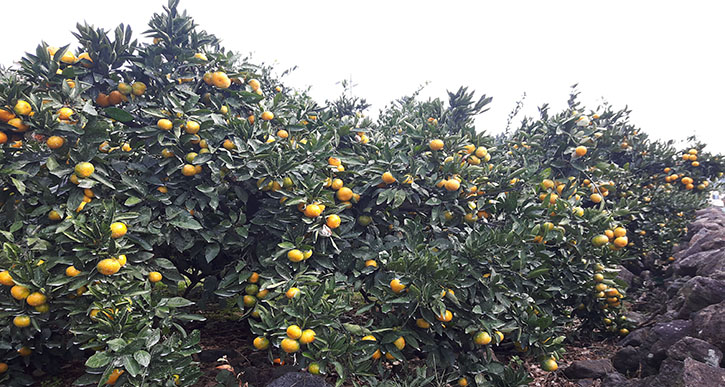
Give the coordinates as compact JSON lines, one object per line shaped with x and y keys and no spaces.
{"x":663,"y":59}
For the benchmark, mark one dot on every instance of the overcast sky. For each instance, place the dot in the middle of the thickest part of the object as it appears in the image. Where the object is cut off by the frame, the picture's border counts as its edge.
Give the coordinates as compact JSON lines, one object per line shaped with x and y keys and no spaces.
{"x":663,"y":59}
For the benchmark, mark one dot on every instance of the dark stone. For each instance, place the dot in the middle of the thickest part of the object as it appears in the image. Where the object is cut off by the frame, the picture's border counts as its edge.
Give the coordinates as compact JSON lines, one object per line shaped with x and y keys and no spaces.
{"x":635,"y":338}
{"x":696,"y":349}
{"x":615,"y":379}
{"x":626,"y":360}
{"x":687,"y":373}
{"x":625,"y":275}
{"x":691,"y":264}
{"x":298,"y":379}
{"x":212,"y":355}
{"x":583,"y":369}
{"x":635,"y":317}
{"x":709,"y":325}
{"x":585,"y":383}
{"x":696,"y":294}
{"x":713,"y":266}
{"x":675,"y":285}
{"x":662,"y":336}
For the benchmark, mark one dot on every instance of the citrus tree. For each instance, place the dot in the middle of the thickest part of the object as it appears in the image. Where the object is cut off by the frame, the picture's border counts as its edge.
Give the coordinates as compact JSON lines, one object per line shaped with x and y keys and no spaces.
{"x":142,"y":178}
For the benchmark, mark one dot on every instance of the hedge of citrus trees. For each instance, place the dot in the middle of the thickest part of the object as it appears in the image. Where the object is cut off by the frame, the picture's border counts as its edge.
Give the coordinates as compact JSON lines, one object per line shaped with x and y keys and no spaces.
{"x":137,"y":174}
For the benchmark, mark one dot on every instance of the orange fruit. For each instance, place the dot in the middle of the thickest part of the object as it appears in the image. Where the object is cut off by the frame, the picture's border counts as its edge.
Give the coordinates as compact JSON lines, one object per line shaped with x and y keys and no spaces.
{"x":21,"y":321}
{"x":452,"y":185}
{"x":192,"y":127}
{"x":22,"y":108}
{"x":436,"y":145}
{"x":333,"y":221}
{"x":102,"y":100}
{"x":3,"y":368}
{"x":292,"y":292}
{"x":3,"y":138}
{"x":138,"y":88}
{"x":54,"y":215}
{"x":314,"y":368}
{"x":294,"y":332}
{"x":254,"y":84}
{"x":71,"y":271}
{"x":388,"y":178}
{"x":289,"y":345}
{"x":84,"y":169}
{"x":113,"y":378}
{"x":334,"y":161}
{"x":399,"y":343}
{"x":312,"y":210}
{"x":188,"y":170}
{"x":25,"y":351}
{"x":18,"y":124}
{"x":308,"y":336}
{"x":446,"y":316}
{"x":155,"y":276}
{"x":164,"y":124}
{"x":580,"y":150}
{"x":463,"y":382}
{"x":621,"y":241}
{"x":549,"y":365}
{"x":295,"y":255}
{"x":108,"y":266}
{"x":118,"y":230}
{"x":371,"y":263}
{"x":596,"y":198}
{"x":6,"y":115}
{"x":421,"y":323}
{"x":260,"y":343}
{"x":220,"y":80}
{"x":267,"y":116}
{"x":35,"y":299}
{"x":115,"y":97}
{"x":482,"y":338}
{"x":396,"y":286}
{"x":282,"y":133}
{"x":598,"y":277}
{"x":122,"y":260}
{"x":19,"y":292}
{"x":65,"y":113}
{"x":344,"y":194}
{"x":6,"y":279}
{"x":619,"y":232}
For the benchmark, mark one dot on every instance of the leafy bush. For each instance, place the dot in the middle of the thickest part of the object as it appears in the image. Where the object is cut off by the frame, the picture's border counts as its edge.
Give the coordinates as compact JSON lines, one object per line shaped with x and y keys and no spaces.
{"x":174,"y":169}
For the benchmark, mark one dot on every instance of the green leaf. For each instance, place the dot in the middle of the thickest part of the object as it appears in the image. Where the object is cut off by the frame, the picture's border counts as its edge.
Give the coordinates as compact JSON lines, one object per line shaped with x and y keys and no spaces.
{"x":118,"y":114}
{"x":142,"y":357}
{"x":188,"y":223}
{"x":19,"y":185}
{"x":133,"y":200}
{"x":98,"y":360}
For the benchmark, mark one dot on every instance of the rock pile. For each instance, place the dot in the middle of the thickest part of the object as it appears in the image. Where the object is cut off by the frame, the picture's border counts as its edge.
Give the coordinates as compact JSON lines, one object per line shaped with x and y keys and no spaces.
{"x":683,"y":345}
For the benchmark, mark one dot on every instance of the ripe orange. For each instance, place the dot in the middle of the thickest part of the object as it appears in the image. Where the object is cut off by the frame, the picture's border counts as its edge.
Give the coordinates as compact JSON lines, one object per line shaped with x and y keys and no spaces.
{"x":192,"y":127}
{"x":337,"y":184}
{"x":108,"y":266}
{"x":254,"y":84}
{"x":596,"y":198}
{"x":3,"y":138}
{"x":452,"y":185}
{"x":334,"y":161}
{"x":3,"y":368}
{"x":155,"y":276}
{"x":436,"y":145}
{"x":19,"y":292}
{"x":463,"y":382}
{"x":113,"y":378}
{"x":267,"y":116}
{"x":620,"y":232}
{"x":23,"y":108}
{"x":295,"y":255}
{"x":221,"y":80}
{"x":25,"y":351}
{"x":333,"y":221}
{"x":598,"y":277}
{"x":482,"y":338}
{"x":18,"y":124}
{"x":308,"y":336}
{"x":446,"y":316}
{"x":65,"y":113}
{"x":36,"y":299}
{"x":621,"y":241}
{"x":396,"y":286}
{"x":344,"y":194}
{"x":289,"y":345}
{"x":138,"y":88}
{"x":314,"y":368}
{"x":115,"y":97}
{"x":292,"y":292}
{"x":21,"y":321}
{"x":549,"y":365}
{"x":260,"y":343}
{"x":399,"y":343}
{"x":388,"y":178}
{"x":6,"y":115}
{"x":421,"y":323}
{"x":188,"y":170}
{"x":371,"y":263}
{"x":294,"y":332}
{"x":580,"y":150}
{"x":164,"y":124}
{"x":118,"y":230}
{"x":6,"y":279}
{"x":71,"y":271}
{"x":312,"y":210}
{"x":282,"y":133}
{"x":54,"y":215}
{"x":84,"y":169}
